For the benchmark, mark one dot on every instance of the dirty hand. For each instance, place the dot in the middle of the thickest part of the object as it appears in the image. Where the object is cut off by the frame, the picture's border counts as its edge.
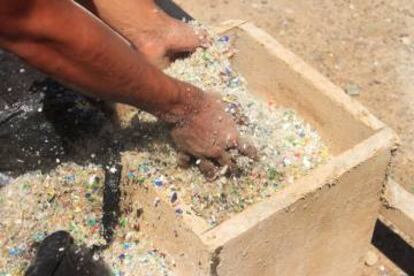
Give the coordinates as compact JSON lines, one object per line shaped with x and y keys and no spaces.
{"x":207,"y":134}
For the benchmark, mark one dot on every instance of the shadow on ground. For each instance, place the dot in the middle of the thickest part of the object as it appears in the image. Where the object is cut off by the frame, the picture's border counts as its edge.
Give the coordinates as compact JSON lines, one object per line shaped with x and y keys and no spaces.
{"x":394,"y":247}
{"x":44,"y":123}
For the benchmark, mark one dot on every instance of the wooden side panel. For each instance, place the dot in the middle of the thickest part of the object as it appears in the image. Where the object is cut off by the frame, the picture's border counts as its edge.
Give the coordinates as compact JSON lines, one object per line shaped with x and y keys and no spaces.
{"x":325,"y":233}
{"x":167,"y":231}
{"x":274,"y":72}
{"x":321,"y":224}
{"x":398,"y":210}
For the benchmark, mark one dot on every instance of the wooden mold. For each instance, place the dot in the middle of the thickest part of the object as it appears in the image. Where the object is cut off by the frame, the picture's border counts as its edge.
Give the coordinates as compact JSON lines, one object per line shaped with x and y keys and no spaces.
{"x":320,"y":225}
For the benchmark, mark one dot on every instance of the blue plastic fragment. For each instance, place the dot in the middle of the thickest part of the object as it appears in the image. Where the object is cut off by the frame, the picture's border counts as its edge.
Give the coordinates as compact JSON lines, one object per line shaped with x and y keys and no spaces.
{"x":15,"y":251}
{"x":130,"y":175}
{"x":224,"y":38}
{"x":70,"y":178}
{"x":158,"y":182}
{"x":127,"y":245}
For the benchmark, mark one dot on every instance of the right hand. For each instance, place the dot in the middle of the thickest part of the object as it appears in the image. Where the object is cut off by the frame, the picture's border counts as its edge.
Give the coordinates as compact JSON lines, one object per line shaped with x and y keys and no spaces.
{"x":207,"y":134}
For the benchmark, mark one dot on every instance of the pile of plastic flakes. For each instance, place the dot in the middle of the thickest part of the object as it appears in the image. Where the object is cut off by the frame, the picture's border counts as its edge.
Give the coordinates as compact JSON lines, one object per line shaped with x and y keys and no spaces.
{"x":132,"y":253}
{"x":288,"y":146}
{"x":36,"y":205}
{"x":70,"y":199}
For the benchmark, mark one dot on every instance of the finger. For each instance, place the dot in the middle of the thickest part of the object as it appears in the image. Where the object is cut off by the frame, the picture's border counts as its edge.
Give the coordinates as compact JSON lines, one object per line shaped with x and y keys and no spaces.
{"x":183,"y":38}
{"x":183,"y":160}
{"x":207,"y":168}
{"x":232,"y":142}
{"x":228,"y":163}
{"x":247,"y":148}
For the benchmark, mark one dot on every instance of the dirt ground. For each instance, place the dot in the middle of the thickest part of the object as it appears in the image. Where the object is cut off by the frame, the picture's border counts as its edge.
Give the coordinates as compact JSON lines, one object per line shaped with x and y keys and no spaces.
{"x":381,"y":267}
{"x":365,"y":47}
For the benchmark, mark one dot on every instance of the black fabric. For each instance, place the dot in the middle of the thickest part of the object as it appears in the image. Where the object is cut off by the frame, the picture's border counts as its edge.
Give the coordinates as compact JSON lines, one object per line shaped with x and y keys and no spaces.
{"x":173,"y":9}
{"x":57,"y":255}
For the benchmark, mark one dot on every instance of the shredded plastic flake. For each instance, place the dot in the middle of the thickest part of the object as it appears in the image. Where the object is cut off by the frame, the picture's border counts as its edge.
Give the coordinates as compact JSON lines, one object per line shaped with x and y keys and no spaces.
{"x":288,"y":146}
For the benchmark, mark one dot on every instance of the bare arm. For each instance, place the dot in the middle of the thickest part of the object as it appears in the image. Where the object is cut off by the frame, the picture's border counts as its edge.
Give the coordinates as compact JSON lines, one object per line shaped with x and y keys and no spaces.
{"x":64,"y":40}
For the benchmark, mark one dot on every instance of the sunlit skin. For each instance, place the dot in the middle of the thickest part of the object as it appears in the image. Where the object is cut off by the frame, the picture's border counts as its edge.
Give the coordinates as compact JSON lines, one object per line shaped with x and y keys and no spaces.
{"x":112,"y":51}
{"x":147,"y":27}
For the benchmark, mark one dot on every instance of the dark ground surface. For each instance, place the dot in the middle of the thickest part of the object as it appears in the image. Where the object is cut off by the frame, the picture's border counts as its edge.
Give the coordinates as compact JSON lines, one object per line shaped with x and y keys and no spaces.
{"x":44,"y":123}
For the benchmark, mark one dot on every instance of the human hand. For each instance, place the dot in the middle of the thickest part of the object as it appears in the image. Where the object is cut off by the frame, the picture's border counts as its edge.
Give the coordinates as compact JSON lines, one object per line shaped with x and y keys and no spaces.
{"x":207,"y":135}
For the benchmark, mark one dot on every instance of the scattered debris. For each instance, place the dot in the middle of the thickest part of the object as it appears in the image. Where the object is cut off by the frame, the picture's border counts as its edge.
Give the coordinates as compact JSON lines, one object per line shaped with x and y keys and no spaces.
{"x":406,"y":40}
{"x":35,"y":205}
{"x":131,"y":253}
{"x":4,"y":179}
{"x":352,"y":89}
{"x":371,"y":258}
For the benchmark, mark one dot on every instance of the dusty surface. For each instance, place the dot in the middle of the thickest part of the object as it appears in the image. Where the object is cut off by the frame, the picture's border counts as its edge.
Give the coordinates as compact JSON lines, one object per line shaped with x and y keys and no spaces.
{"x":365,"y":47}
{"x":380,"y":266}
{"x":70,"y":198}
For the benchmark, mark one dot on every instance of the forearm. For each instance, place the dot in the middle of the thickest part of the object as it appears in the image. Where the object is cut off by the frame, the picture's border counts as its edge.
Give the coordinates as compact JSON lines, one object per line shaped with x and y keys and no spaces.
{"x":109,"y":12}
{"x":77,"y":48}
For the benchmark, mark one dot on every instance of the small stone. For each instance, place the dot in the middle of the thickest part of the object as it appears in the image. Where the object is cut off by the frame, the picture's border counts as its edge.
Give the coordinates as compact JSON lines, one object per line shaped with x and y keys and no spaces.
{"x":406,"y":40}
{"x":371,"y":258}
{"x":179,"y":211}
{"x":352,"y":89}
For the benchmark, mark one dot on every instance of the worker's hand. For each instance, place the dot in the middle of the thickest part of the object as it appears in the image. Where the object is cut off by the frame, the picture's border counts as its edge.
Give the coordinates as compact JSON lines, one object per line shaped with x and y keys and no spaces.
{"x":159,"y":37}
{"x":207,"y":134}
{"x":168,"y":40}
